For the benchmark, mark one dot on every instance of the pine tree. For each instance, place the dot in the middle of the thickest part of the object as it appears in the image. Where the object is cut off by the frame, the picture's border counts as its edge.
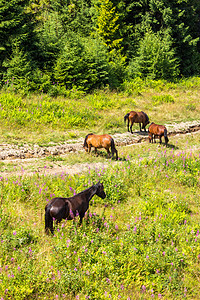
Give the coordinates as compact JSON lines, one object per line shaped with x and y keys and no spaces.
{"x":107,"y":26}
{"x":179,"y":18}
{"x":14,"y":24}
{"x":155,"y":58}
{"x":16,"y":29}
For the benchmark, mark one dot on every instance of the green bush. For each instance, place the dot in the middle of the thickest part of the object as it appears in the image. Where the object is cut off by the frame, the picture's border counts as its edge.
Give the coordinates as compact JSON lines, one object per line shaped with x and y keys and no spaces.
{"x":134,"y":86}
{"x":157,"y":100}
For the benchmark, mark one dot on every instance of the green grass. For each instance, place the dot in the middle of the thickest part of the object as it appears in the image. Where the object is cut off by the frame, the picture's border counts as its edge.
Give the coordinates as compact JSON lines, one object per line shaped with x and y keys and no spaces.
{"x":44,"y":120}
{"x":142,"y":240}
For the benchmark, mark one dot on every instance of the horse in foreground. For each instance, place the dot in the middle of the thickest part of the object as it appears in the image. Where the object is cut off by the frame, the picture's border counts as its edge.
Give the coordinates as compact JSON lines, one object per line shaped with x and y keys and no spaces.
{"x":159,"y":131}
{"x":100,"y":141}
{"x":69,"y":208}
{"x":136,"y":117}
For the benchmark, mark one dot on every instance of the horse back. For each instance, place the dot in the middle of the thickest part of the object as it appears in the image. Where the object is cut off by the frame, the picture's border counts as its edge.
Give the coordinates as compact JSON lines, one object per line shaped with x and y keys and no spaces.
{"x":132,"y":115}
{"x":137,"y":117}
{"x":157,"y":129}
{"x":99,"y":141}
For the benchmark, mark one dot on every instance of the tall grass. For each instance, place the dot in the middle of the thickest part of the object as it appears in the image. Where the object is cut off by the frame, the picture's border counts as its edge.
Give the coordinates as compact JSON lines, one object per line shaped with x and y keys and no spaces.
{"x":141,"y":242}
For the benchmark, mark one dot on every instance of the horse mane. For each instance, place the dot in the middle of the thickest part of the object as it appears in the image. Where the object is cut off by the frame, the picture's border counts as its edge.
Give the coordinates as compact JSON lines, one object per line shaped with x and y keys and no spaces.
{"x":85,"y":141}
{"x":147,"y":118}
{"x":85,"y":189}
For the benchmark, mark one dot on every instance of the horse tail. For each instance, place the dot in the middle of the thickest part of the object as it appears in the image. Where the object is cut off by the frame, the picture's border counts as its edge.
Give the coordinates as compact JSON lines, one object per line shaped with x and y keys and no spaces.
{"x":165,"y":136}
{"x":113,"y":149}
{"x":126,"y":117}
{"x":85,"y":144}
{"x":48,"y":220}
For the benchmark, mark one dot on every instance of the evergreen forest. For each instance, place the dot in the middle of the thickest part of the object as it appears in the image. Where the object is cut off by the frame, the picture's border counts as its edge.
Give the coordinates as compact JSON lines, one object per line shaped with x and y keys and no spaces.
{"x":55,"y":46}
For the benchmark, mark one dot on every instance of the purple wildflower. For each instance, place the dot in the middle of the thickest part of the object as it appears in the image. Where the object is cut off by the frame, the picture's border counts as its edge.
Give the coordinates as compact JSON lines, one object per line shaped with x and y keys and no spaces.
{"x":143,"y":288}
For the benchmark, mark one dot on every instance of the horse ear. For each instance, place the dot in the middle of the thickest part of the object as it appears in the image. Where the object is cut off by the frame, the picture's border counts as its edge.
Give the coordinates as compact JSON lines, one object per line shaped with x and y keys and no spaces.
{"x":99,"y":183}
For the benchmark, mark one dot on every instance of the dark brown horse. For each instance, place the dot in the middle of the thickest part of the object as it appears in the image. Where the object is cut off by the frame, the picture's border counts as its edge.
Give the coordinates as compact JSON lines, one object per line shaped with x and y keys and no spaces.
{"x":159,"y":131}
{"x":100,"y":141}
{"x":69,"y":208}
{"x":136,"y":117}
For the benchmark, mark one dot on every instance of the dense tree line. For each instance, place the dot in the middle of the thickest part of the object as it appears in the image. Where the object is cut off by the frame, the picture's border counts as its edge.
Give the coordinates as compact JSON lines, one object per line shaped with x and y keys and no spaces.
{"x":57,"y":45}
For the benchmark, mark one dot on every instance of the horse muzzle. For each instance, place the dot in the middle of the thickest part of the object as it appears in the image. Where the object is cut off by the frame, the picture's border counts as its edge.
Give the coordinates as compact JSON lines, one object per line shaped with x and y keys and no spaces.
{"x":103,"y":195}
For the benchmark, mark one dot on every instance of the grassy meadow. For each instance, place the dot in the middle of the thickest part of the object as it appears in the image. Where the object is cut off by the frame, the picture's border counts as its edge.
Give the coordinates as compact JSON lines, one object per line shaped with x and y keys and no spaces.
{"x":142,"y":241}
{"x":45,"y":120}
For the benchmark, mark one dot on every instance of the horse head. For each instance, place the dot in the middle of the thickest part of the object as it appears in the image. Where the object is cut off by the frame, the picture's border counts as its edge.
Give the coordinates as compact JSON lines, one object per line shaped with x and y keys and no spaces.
{"x":147,"y":122}
{"x":100,"y":190}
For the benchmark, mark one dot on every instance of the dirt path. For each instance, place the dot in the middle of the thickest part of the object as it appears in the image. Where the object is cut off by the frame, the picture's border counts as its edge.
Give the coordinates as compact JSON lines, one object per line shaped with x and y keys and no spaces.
{"x":31,"y":160}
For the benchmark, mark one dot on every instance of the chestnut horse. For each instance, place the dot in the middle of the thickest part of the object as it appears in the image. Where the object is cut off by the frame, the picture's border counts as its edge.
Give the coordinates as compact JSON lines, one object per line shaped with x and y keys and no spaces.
{"x":69,"y":208}
{"x":156,"y":130}
{"x":100,"y":141}
{"x":136,"y":117}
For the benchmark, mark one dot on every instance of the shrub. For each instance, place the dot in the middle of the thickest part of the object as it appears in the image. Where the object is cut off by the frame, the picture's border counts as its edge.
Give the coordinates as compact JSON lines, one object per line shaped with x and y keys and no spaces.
{"x":191,"y":107}
{"x":134,"y":86}
{"x":157,"y":100}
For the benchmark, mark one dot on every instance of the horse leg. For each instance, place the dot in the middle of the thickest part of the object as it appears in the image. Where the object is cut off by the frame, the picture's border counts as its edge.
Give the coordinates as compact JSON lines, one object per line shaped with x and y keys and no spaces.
{"x":116,"y":154}
{"x":150,"y":138}
{"x":81,"y":220}
{"x":128,"y":125}
{"x":89,"y":148}
{"x":48,"y":221}
{"x":131,"y":127}
{"x":140,"y":126}
{"x":81,"y":215}
{"x":160,"y":139}
{"x":108,"y":151}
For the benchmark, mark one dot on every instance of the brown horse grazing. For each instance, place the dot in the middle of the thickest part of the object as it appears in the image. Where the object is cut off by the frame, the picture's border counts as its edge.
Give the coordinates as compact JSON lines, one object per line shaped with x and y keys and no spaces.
{"x":69,"y":208}
{"x":100,"y":141}
{"x":157,"y":131}
{"x":136,"y":117}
